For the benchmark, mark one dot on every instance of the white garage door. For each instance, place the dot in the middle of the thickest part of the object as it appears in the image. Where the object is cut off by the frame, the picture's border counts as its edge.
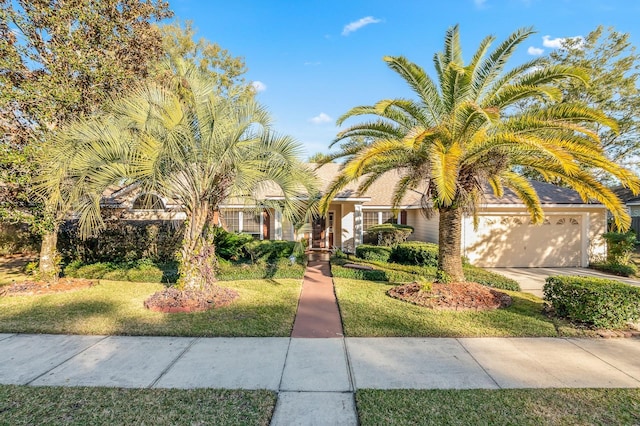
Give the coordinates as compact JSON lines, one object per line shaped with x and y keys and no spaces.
{"x":513,"y":241}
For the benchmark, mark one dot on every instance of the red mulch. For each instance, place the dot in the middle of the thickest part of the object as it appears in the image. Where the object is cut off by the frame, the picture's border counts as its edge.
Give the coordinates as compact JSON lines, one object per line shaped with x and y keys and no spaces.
{"x":42,"y":287}
{"x":452,"y":296}
{"x":172,"y":300}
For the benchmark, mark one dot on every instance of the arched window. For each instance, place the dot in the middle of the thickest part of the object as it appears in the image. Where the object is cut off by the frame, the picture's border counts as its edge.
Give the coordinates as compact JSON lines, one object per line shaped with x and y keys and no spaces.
{"x":148,"y":202}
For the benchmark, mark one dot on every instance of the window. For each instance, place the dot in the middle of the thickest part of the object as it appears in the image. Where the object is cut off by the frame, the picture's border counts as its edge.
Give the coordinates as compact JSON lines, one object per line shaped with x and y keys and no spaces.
{"x":246,"y":221}
{"x":251,"y":223}
{"x":148,"y":202}
{"x":371,"y":218}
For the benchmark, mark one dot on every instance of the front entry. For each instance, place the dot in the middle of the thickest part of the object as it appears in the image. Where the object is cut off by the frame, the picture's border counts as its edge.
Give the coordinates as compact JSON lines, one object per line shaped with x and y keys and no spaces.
{"x":318,"y":230}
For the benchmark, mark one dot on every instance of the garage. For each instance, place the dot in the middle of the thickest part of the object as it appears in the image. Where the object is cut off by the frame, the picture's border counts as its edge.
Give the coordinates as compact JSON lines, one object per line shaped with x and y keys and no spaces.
{"x":514,"y":241}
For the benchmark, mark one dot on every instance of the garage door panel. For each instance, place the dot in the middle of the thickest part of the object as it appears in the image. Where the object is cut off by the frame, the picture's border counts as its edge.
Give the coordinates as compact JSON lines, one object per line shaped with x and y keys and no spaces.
{"x":513,"y":241}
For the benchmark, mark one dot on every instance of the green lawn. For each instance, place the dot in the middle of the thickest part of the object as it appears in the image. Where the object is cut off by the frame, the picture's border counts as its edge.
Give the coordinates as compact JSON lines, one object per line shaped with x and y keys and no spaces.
{"x":24,"y":405}
{"x":12,"y":268}
{"x":264,"y":308}
{"x":367,"y":311}
{"x":499,"y":407}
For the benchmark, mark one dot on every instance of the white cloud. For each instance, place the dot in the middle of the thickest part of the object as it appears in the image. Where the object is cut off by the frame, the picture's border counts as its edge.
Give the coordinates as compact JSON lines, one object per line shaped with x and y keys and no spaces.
{"x":259,"y":86}
{"x":321,"y":119}
{"x":535,"y":51}
{"x":480,"y":3}
{"x":556,"y":43}
{"x":356,"y":25}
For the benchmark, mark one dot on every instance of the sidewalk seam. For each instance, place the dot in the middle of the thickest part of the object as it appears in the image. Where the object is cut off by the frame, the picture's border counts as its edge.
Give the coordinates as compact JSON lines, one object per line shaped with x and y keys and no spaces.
{"x":172,"y":363}
{"x":606,"y":362}
{"x":73,"y":356}
{"x":479,"y":364}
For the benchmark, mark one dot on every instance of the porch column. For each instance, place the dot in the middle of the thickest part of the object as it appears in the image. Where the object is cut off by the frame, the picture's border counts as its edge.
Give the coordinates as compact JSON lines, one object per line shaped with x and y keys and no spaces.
{"x":278,"y":225}
{"x":358,"y":224}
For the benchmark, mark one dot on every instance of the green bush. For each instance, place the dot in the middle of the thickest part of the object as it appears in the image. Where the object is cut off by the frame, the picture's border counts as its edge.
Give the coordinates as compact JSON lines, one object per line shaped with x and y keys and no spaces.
{"x":597,"y":302}
{"x":490,"y":279}
{"x":143,"y":270}
{"x":388,"y":234}
{"x":122,"y":241}
{"x":229,"y":245}
{"x":268,"y":251}
{"x":415,"y":253}
{"x":369,"y":252}
{"x":230,"y":271}
{"x":621,"y":270}
{"x":620,"y":245}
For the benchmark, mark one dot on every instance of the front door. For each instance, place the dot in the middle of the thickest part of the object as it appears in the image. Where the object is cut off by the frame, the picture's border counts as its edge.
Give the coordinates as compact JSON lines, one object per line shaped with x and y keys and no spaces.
{"x":318,"y":228}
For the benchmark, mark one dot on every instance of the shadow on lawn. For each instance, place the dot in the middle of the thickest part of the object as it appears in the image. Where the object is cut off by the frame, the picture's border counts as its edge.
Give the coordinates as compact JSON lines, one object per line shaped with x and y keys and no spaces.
{"x":368,"y":311}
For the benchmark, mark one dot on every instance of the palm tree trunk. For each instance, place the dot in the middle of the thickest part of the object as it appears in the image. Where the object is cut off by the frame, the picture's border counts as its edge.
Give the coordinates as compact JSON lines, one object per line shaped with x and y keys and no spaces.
{"x":449,"y":254}
{"x":48,"y":265}
{"x":198,"y":261}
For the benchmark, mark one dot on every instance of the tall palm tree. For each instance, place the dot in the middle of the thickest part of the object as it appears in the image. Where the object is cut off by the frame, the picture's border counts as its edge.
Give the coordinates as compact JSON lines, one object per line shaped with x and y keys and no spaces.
{"x":465,"y":132}
{"x":188,"y":143}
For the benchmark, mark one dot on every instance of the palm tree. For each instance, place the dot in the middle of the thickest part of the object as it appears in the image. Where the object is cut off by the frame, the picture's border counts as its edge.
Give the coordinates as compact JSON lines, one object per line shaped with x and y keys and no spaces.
{"x":187,"y":142}
{"x":465,"y":133}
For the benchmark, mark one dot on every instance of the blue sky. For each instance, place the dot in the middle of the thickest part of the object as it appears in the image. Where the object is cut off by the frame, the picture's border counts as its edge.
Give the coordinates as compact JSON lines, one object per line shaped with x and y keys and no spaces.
{"x":313,"y":60}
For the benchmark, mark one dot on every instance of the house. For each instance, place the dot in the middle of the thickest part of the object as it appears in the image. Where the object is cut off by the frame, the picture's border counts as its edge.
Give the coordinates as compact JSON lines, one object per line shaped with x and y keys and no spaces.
{"x":570,"y":236}
{"x":633,"y":206}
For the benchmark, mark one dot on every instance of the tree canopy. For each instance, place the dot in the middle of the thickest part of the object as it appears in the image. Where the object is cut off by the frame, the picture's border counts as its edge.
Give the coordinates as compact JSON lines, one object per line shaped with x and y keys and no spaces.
{"x":462,"y":136}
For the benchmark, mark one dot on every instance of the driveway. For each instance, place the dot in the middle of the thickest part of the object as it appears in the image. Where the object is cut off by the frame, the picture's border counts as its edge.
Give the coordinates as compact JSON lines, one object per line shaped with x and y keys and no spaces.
{"x":531,"y":280}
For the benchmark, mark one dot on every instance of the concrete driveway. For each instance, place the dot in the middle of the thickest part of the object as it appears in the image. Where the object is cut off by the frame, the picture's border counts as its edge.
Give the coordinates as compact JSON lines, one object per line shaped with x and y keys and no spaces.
{"x":531,"y":280}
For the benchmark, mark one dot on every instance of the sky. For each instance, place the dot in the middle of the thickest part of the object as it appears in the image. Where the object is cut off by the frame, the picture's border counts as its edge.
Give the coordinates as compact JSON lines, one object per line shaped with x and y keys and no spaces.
{"x":313,"y":60}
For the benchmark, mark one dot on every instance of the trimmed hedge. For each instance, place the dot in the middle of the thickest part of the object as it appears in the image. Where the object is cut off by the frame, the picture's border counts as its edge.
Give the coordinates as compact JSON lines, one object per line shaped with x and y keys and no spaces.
{"x":598,"y":302}
{"x":122,"y":241}
{"x":143,"y":270}
{"x":370,"y":252}
{"x":415,"y":253}
{"x":396,"y":272}
{"x":250,"y":271}
{"x":616,"y":269}
{"x":268,"y":251}
{"x":388,"y":234}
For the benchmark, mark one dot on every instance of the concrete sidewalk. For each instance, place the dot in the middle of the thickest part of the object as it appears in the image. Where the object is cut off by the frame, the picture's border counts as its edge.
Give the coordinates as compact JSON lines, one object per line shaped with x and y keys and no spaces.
{"x":322,"y":372}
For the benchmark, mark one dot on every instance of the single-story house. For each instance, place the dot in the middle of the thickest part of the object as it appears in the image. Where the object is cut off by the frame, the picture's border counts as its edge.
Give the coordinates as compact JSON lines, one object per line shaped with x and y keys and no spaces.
{"x":571,"y":234}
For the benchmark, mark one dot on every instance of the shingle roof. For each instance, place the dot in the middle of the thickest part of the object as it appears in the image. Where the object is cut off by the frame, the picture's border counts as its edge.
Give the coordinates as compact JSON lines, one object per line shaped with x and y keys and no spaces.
{"x":626,"y":195}
{"x":382,"y":190}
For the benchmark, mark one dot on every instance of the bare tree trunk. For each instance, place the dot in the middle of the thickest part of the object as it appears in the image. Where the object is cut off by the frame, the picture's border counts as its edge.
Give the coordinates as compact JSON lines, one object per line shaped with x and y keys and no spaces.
{"x":48,"y":265}
{"x":449,"y":253}
{"x":198,"y":261}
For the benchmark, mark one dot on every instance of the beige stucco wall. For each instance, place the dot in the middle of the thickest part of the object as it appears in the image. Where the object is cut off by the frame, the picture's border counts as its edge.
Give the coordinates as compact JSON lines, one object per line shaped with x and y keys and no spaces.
{"x":347,"y":227}
{"x":423,"y":229}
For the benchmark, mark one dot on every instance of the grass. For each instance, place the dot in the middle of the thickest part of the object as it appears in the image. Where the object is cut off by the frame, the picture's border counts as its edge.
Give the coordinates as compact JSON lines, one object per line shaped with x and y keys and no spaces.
{"x":367,"y":311}
{"x":12,"y":268}
{"x":264,"y":308}
{"x":22,"y":405}
{"x":499,"y":407}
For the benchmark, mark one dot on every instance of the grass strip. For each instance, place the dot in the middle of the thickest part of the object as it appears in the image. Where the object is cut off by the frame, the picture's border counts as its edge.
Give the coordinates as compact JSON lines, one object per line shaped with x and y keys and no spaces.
{"x":368,"y":312}
{"x":265,"y":308}
{"x":26,"y":405}
{"x":499,"y":407}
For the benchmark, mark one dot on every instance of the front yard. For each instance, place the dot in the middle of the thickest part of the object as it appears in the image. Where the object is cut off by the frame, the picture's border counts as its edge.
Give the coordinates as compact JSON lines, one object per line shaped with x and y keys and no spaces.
{"x":266,"y":307}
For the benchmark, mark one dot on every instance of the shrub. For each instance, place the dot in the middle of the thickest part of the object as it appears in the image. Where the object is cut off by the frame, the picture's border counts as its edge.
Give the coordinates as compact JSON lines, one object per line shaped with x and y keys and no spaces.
{"x":620,"y":246}
{"x":490,"y":279}
{"x":143,"y":270}
{"x":122,"y":241}
{"x":369,"y":252}
{"x":598,"y":302}
{"x":229,"y":245}
{"x":388,"y":234}
{"x":621,"y":270}
{"x":90,"y":271}
{"x":238,"y":271}
{"x":415,"y":253}
{"x":268,"y":251}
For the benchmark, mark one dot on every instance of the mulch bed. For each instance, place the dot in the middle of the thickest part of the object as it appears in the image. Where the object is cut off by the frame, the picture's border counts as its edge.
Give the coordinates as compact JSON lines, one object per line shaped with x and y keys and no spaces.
{"x":452,"y":296}
{"x":172,"y":300}
{"x":27,"y":288}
